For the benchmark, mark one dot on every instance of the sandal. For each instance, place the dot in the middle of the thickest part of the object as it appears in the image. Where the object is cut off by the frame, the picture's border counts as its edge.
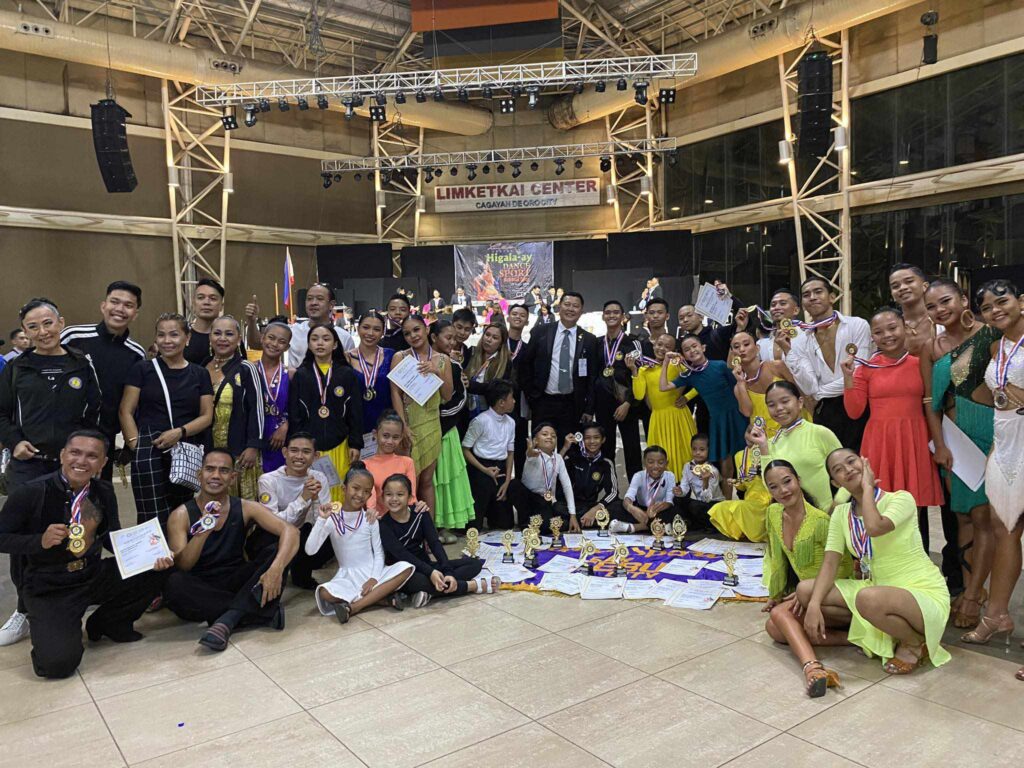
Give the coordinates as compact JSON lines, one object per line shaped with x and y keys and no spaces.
{"x":819,"y":678}
{"x":343,"y":610}
{"x":486,"y":585}
{"x":895,"y":666}
{"x":969,"y":620}
{"x":989,"y":628}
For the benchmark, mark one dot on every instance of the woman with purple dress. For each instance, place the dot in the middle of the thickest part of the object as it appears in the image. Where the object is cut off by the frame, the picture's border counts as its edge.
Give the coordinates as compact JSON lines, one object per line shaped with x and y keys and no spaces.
{"x":273,"y":374}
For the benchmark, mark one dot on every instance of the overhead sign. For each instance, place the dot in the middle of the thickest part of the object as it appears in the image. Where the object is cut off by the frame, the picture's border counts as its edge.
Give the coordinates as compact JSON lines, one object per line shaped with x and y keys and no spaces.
{"x":517,"y":195}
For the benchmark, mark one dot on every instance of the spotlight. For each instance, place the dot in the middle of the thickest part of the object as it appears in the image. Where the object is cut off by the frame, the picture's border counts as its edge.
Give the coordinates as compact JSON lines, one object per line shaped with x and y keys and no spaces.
{"x":229,"y":121}
{"x":600,"y":85}
{"x":327,"y":180}
{"x":420,"y":97}
{"x":358,"y":100}
{"x":499,"y":168}
{"x":578,"y":164}
{"x":578,"y":87}
{"x":337,"y":177}
{"x":438,"y":94}
{"x":437,"y":173}
{"x":486,"y":169}
{"x":487,"y":92}
{"x":620,"y":84}
{"x":516,"y":91}
{"x":507,"y":106}
{"x":463,"y":95}
{"x":531,"y":96}
{"x":472,"y":171}
{"x":785,"y":151}
{"x":673,"y":158}
{"x":534,"y":166}
{"x":399,"y":98}
{"x":282,"y":104}
{"x":606,"y":163}
{"x":264,"y":105}
{"x":358,"y":176}
{"x":350,"y":109}
{"x":381,"y":99}
{"x":559,"y":166}
{"x":455,"y":170}
{"x":516,"y":170}
{"x":378,"y":114}
{"x":667,"y":96}
{"x":303,"y":103}
{"x":250,"y":115}
{"x":428,"y":175}
{"x":931,"y":39}
{"x":321,"y":101}
{"x":640,"y":92}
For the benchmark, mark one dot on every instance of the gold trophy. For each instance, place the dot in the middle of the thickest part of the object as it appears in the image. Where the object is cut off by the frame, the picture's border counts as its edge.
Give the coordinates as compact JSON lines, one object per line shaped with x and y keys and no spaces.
{"x":658,"y":532}
{"x":602,"y":522}
{"x":587,"y":548}
{"x":506,"y":541}
{"x":531,"y":541}
{"x":678,"y":531}
{"x":536,"y":521}
{"x":621,"y":555}
{"x":472,"y":541}
{"x":556,"y":533}
{"x":731,"y":580}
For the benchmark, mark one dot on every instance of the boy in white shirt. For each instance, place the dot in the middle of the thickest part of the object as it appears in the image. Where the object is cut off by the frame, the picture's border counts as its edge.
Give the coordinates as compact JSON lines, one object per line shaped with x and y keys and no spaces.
{"x":489,"y":447}
{"x":700,"y":486}
{"x":649,"y":495}
{"x":544,"y":474}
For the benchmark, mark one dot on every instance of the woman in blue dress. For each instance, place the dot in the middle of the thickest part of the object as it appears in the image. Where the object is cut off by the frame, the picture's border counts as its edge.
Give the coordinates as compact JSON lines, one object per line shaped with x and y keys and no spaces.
{"x":372,"y":363}
{"x":273,"y":374}
{"x":715,"y":384}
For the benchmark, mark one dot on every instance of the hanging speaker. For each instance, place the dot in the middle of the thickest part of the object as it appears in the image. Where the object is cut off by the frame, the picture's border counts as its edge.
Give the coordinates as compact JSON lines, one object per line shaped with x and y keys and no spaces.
{"x":110,"y":140}
{"x":814,"y":101}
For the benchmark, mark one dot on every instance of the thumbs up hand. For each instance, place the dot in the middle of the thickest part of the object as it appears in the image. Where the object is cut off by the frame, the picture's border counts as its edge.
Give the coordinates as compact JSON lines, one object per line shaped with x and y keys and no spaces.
{"x":252,"y":309}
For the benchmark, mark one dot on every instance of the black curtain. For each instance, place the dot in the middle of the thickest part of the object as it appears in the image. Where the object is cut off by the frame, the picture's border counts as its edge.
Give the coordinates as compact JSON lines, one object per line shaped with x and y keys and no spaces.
{"x":338,"y":263}
{"x":432,"y":267}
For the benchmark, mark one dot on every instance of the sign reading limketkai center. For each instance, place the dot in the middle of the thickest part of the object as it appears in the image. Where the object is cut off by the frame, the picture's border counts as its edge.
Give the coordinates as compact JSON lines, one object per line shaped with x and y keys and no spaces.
{"x":517,"y":195}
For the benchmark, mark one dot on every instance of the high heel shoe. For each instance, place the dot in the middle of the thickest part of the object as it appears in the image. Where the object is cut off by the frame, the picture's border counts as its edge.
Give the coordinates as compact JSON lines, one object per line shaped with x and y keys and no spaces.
{"x":963,"y":619}
{"x":989,"y":628}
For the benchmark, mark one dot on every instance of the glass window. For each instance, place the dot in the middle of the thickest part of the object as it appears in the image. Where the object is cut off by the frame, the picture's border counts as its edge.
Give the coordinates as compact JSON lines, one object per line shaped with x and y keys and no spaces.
{"x":743,"y":166}
{"x":708,"y":176}
{"x":977,"y":112}
{"x":921,"y":126}
{"x":872,"y":128}
{"x":977,"y":233}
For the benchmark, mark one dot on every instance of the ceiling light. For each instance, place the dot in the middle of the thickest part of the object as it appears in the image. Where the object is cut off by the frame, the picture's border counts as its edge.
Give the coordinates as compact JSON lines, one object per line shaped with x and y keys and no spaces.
{"x":420,"y":97}
{"x":578,"y":164}
{"x":321,"y":101}
{"x":472,"y":171}
{"x":327,"y":180}
{"x":487,"y":92}
{"x":840,"y":138}
{"x":463,"y":95}
{"x":559,"y":166}
{"x":534,"y":166}
{"x":785,"y":151}
{"x":516,"y":170}
{"x":250,"y":115}
{"x":264,"y":105}
{"x":499,"y":168}
{"x":378,"y":114}
{"x":666,"y":95}
{"x":455,"y":170}
{"x":507,"y":106}
{"x":600,"y":85}
{"x":674,"y":209}
{"x":437,"y":173}
{"x":606,"y":163}
{"x":358,"y":176}
{"x":381,"y":99}
{"x":578,"y":87}
{"x":303,"y":103}
{"x":438,"y":94}
{"x":516,"y":91}
{"x":337,"y":177}
{"x":486,"y":168}
{"x":350,"y":109}
{"x":229,"y":121}
{"x":399,"y":98}
{"x":282,"y":104}
{"x":640,"y":92}
{"x":620,"y":84}
{"x":531,"y":96}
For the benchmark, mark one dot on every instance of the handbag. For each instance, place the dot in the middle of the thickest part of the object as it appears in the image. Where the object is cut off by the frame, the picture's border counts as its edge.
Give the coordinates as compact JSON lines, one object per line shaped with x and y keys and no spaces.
{"x":186,"y":458}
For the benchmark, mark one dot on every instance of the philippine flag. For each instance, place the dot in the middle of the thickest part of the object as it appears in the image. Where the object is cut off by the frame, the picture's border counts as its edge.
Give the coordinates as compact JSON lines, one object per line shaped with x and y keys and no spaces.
{"x":289,"y":279}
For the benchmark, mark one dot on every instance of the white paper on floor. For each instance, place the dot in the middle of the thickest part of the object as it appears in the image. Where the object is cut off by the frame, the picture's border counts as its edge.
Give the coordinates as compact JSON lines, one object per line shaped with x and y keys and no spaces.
{"x":716,"y":547}
{"x":599,"y":588}
{"x":566,"y":583}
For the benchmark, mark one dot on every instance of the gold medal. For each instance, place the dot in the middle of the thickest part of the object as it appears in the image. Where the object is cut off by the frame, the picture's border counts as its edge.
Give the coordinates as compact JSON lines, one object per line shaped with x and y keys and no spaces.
{"x":851,"y":349}
{"x":608,"y":372}
{"x":324,"y":412}
{"x":618,"y":355}
{"x":335,"y":507}
{"x":736,"y":361}
{"x":548,"y":496}
{"x":369,"y":394}
{"x":76,"y":531}
{"x":76,"y":546}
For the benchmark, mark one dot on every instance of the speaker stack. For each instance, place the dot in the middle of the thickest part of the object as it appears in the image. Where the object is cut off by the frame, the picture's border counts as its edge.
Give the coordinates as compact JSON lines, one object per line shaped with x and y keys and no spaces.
{"x":110,"y":139}
{"x":814,"y":100}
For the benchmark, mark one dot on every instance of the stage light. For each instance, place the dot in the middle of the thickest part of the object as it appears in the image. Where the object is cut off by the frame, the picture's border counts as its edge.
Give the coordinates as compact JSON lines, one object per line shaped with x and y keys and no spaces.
{"x":930,"y":54}
{"x":463,"y":95}
{"x":378,"y":114}
{"x":645,"y":185}
{"x":437,"y":173}
{"x":472,"y":171}
{"x":303,"y":103}
{"x":264,"y":105}
{"x":534,"y":166}
{"x":486,"y":168}
{"x":559,"y":166}
{"x":531,"y":96}
{"x":399,"y":98}
{"x":327,"y":180}
{"x":420,"y":97}
{"x":516,"y":91}
{"x":620,"y":84}
{"x":640,"y":92}
{"x":350,"y":109}
{"x":578,"y":87}
{"x":609,"y":194}
{"x":499,"y":168}
{"x":381,"y":99}
{"x":438,"y":94}
{"x":578,"y":164}
{"x":840,"y":138}
{"x":667,"y":96}
{"x":321,"y":101}
{"x":358,"y":176}
{"x":507,"y":106}
{"x":282,"y":104}
{"x":358,"y":100}
{"x":785,"y":151}
{"x":673,"y":158}
{"x":428,"y":176}
{"x":250,"y":115}
{"x":599,"y":86}
{"x":337,"y":177}
{"x":454,"y":171}
{"x":487,"y":92}
{"x":229,"y":121}
{"x":606,"y":163}
{"x":516,"y":170}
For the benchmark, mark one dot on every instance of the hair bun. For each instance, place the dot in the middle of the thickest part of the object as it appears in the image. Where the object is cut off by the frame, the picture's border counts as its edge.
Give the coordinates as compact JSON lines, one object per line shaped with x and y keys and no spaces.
{"x":357,"y":465}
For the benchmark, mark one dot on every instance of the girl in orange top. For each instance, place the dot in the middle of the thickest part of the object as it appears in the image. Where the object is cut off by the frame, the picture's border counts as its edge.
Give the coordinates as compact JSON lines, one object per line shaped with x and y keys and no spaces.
{"x":386,"y":463}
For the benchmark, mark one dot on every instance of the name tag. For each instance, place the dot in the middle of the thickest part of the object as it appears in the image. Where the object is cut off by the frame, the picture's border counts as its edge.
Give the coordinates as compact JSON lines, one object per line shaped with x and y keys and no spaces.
{"x":583,"y":366}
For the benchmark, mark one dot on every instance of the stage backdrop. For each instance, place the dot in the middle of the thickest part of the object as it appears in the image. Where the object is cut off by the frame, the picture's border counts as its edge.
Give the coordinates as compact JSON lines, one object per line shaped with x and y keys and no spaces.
{"x":486,"y":269}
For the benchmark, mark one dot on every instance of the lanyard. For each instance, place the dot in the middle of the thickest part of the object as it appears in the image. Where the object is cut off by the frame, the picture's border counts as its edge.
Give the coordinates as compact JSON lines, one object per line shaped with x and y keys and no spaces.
{"x":757,"y":375}
{"x":549,"y":485}
{"x":753,"y":464}
{"x":272,"y":388}
{"x":519,"y":346}
{"x":322,"y":385}
{"x":826,"y":323}
{"x":859,"y":539}
{"x":870,"y":364}
{"x":338,"y":518}
{"x":786,"y":430}
{"x":610,"y":352}
{"x":76,"y":505}
{"x":370,"y":374}
{"x":430,"y":353}
{"x":653,"y":487}
{"x":1003,"y":362}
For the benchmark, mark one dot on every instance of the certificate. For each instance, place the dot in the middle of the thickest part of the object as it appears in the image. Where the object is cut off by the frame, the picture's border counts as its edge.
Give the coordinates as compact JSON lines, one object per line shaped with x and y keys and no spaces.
{"x":968,"y":459}
{"x":407,"y":377}
{"x":560,"y":564}
{"x":324,"y":465}
{"x":597,"y":588}
{"x":713,"y":305}
{"x":139,"y":547}
{"x":566,"y":583}
{"x":697,"y":595}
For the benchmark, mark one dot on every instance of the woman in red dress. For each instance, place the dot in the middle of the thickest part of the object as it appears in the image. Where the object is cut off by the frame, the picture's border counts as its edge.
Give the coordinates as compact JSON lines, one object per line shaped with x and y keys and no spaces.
{"x":896,"y":436}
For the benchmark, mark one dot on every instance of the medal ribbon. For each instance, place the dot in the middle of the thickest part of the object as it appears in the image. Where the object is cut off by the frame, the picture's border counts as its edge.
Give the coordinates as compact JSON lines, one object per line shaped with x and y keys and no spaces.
{"x":76,"y":505}
{"x":370,"y":374}
{"x":786,"y":430}
{"x":826,"y":323}
{"x":698,"y":369}
{"x":745,"y":466}
{"x":338,"y":518}
{"x":653,"y":488}
{"x":549,"y":485}
{"x":322,"y":386}
{"x":869,"y":364}
{"x":208,"y":509}
{"x":430,"y":354}
{"x":859,"y":539}
{"x":610,"y":352}
{"x":756,"y":375}
{"x":519,"y":346}
{"x":1003,"y":362}
{"x":271,"y":388}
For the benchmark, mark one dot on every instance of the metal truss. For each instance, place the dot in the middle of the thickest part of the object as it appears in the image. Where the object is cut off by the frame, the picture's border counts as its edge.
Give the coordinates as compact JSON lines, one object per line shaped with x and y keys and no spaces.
{"x":595,"y":32}
{"x":199,"y":183}
{"x":397,"y":195}
{"x":633,"y":192}
{"x":831,"y":259}
{"x":558,"y":75}
{"x":620,"y":145}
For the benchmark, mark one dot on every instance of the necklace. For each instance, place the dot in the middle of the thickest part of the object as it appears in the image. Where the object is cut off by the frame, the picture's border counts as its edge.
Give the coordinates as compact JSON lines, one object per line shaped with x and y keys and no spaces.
{"x":912,"y":325}
{"x":219,"y":362}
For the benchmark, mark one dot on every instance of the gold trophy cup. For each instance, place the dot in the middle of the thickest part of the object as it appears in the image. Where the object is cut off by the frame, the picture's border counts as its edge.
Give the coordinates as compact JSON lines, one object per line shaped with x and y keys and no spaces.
{"x":621,"y":554}
{"x":587,"y":548}
{"x":556,"y":533}
{"x":506,"y":541}
{"x":531,"y":541}
{"x":472,"y":541}
{"x":731,"y":580}
{"x":602,"y":521}
{"x":658,"y":532}
{"x":678,"y":531}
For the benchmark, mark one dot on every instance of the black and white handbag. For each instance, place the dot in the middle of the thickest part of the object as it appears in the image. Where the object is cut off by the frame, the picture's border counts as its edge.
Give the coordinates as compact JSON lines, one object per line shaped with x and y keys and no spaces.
{"x":186,"y":458}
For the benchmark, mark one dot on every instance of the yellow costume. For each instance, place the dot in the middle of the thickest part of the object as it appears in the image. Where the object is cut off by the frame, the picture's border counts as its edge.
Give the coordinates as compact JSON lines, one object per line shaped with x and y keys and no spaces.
{"x":744,"y":519}
{"x":670,"y":427}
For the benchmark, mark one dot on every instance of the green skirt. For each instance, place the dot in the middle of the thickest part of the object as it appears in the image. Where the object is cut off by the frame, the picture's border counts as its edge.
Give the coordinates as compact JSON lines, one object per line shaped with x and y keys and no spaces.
{"x":453,"y":498}
{"x":978,"y":423}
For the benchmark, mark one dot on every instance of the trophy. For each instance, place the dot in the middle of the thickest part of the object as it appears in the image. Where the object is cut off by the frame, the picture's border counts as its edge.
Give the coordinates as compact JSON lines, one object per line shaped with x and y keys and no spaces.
{"x":658,"y":531}
{"x":678,"y":531}
{"x":602,"y":522}
{"x":556,"y":532}
{"x":731,"y":580}
{"x":621,"y":554}
{"x":472,"y":541}
{"x":531,"y":540}
{"x":536,"y":521}
{"x":587,"y":548}
{"x":506,"y":541}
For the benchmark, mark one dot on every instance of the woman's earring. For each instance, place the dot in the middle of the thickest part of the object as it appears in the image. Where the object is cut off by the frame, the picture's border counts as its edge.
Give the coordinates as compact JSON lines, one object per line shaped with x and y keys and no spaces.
{"x":967,"y":319}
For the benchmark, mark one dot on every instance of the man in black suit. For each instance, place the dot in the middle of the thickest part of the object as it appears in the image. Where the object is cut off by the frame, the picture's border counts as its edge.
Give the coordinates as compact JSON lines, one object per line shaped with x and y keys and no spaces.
{"x":460,"y":300}
{"x":558,"y":370}
{"x":654,"y":290}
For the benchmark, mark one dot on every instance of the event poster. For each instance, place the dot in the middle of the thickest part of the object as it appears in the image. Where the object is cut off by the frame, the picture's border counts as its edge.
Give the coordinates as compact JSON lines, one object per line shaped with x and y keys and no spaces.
{"x":510,"y":269}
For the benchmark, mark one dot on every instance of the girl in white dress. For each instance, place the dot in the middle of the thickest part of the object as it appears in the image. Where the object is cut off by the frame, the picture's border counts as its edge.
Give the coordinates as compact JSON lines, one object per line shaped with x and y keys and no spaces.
{"x":362,"y":578}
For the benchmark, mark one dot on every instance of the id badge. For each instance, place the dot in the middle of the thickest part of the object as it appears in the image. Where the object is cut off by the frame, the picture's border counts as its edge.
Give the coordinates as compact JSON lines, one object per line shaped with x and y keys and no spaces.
{"x":583,"y":367}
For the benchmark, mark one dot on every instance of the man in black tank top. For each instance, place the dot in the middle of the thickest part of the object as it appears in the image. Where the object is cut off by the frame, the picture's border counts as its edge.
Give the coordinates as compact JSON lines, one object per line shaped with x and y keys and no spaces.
{"x":213,"y":581}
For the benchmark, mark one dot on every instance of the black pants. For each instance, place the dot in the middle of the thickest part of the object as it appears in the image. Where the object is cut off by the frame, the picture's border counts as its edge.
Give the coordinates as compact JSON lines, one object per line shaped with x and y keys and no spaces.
{"x":303,"y":565}
{"x":619,"y":512}
{"x":629,"y":428}
{"x":615,"y":511}
{"x":528,"y":504}
{"x":695,"y":513}
{"x":19,"y":472}
{"x":559,"y":410}
{"x":522,"y":434}
{"x":952,"y":569}
{"x":831,"y":413}
{"x":485,"y":492}
{"x":207,"y":596}
{"x":56,"y":600}
{"x":463,"y":569}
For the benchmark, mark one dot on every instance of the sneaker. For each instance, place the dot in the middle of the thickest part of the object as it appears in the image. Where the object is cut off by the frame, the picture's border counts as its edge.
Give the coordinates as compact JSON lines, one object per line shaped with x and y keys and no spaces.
{"x":617,"y":526}
{"x":420,"y":599}
{"x":447,"y":537}
{"x":15,"y":629}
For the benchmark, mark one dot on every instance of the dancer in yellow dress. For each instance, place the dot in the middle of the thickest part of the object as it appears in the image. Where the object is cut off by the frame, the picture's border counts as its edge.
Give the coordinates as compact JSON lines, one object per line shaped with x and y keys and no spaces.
{"x":744,"y":518}
{"x":899,"y":608}
{"x":671,"y":426}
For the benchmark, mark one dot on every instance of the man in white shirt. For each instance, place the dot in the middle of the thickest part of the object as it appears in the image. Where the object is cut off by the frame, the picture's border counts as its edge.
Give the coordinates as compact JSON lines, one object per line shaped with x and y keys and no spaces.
{"x":544,"y":474}
{"x":815,"y":355}
{"x":784,"y":305}
{"x":319,"y":305}
{"x":294,"y":493}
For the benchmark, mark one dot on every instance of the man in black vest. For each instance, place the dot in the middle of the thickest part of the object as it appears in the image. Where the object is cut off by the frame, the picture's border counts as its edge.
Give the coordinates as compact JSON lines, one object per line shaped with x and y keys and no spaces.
{"x":614,"y":404}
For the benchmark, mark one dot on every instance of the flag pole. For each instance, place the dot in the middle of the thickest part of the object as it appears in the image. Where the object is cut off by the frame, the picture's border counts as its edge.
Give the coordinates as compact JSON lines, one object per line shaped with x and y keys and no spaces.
{"x":277,"y":299}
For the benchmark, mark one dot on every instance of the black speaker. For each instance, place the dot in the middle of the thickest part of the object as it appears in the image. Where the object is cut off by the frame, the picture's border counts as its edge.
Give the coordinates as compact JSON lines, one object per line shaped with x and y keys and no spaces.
{"x":931,"y":49}
{"x":814,"y":101}
{"x":110,"y":139}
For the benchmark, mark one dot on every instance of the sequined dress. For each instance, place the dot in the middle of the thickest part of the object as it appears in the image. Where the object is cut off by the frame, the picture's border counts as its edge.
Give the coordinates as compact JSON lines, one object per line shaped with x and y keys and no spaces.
{"x":1004,"y":478}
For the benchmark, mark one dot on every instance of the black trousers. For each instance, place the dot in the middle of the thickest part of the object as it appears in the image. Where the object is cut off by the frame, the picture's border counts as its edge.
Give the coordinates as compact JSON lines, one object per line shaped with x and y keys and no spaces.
{"x":19,"y":472}
{"x":522,"y":434}
{"x":56,"y":600}
{"x":952,"y":569}
{"x":207,"y":596}
{"x":485,"y":496}
{"x":302,"y":565}
{"x":463,"y":569}
{"x":831,"y":413}
{"x":629,"y":428}
{"x":695,"y":513}
{"x":615,"y":511}
{"x":528,"y":504}
{"x":559,"y":410}
{"x":621,"y":513}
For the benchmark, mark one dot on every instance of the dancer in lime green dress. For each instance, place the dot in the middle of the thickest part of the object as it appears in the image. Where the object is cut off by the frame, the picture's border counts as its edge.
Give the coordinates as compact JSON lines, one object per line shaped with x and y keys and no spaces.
{"x":899,"y":607}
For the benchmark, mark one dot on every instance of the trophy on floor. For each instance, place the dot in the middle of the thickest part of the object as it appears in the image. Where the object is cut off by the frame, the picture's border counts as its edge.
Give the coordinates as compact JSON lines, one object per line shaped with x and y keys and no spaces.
{"x":472,"y":541}
{"x":678,"y":531}
{"x":556,"y":533}
{"x":506,"y":541}
{"x":658,"y":532}
{"x":531,"y":541}
{"x":602,"y":522}
{"x":536,"y":521}
{"x":587,"y":548}
{"x":621,"y":555}
{"x":731,"y":580}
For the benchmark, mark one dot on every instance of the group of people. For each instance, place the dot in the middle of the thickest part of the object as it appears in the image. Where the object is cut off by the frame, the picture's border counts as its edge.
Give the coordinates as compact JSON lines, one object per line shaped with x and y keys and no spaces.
{"x":793,"y":425}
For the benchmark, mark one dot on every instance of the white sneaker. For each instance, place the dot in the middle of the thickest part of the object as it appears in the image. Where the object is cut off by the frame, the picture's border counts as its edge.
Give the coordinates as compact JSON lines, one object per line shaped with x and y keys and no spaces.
{"x":617,"y":526}
{"x":15,"y":629}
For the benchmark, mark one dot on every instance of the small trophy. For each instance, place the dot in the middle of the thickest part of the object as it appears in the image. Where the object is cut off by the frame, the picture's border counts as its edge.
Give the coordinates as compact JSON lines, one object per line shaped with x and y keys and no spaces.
{"x":621,"y":554}
{"x":678,"y":531}
{"x":506,"y":541}
{"x":602,"y":522}
{"x":587,"y":548}
{"x":556,"y":533}
{"x":731,"y":580}
{"x":536,"y":521}
{"x":472,"y":541}
{"x":658,"y":532}
{"x":531,"y":540}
